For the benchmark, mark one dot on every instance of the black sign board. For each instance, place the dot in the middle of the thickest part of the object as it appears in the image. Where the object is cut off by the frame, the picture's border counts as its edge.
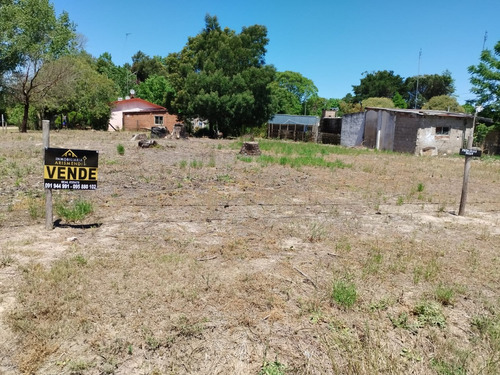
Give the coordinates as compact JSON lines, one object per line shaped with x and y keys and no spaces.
{"x":70,"y":169}
{"x":470,"y":152}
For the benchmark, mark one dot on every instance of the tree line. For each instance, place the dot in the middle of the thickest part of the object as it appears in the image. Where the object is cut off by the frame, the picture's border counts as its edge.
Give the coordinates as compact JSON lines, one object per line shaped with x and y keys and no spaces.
{"x":220,"y":76}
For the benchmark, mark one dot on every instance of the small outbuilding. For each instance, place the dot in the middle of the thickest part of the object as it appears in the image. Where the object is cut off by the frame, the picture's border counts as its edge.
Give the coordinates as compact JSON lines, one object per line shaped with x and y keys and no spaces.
{"x":294,"y":127}
{"x":138,"y":114}
{"x":421,"y":132}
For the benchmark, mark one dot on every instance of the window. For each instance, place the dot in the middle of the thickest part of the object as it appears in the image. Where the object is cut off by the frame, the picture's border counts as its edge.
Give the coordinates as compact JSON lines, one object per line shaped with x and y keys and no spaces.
{"x":442,"y":130}
{"x":158,"y":120}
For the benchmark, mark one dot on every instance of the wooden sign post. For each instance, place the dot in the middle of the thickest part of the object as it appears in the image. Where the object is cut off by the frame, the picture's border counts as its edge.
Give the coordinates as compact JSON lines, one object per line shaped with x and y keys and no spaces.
{"x":49,"y":223}
{"x":469,"y":153}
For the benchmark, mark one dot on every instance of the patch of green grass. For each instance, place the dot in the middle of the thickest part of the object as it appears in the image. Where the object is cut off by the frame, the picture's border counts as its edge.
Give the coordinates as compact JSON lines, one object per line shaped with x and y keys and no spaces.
{"x":344,"y":293}
{"x":488,"y":326}
{"x":380,"y":305}
{"x":225,"y":178}
{"x":183,"y":164}
{"x":444,"y":294}
{"x":373,"y":262}
{"x":120,"y":149}
{"x":75,"y":211}
{"x":343,"y":245}
{"x":244,"y":158}
{"x":298,"y":154}
{"x":196,"y":164}
{"x":317,"y":232}
{"x":429,"y":313}
{"x":273,"y":368}
{"x":301,"y":161}
{"x":428,"y":272}
{"x":36,"y":207}
{"x":420,"y":187}
{"x":6,"y":260}
{"x":443,"y":367}
{"x":400,"y":200}
{"x":211,"y":161}
{"x":400,"y":321}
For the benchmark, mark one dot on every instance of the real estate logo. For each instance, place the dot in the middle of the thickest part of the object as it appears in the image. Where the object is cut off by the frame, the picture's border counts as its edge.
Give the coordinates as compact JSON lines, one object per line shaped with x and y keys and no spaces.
{"x":70,"y":169}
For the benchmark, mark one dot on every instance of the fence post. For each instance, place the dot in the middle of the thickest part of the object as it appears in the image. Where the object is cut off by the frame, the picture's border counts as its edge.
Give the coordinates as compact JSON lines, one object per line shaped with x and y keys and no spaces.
{"x":49,"y":223}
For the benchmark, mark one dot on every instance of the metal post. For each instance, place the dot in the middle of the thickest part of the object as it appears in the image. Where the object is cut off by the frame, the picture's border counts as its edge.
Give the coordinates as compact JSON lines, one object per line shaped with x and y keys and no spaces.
{"x":49,"y":223}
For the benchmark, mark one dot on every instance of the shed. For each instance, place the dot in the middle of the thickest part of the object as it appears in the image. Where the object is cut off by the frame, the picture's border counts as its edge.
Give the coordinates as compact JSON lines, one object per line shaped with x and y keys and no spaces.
{"x":406,"y":130}
{"x":295,"y":127}
{"x":139,"y":114}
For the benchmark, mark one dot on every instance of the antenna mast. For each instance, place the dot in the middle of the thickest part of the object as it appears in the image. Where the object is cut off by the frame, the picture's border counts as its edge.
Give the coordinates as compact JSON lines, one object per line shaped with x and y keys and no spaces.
{"x":485,"y":38}
{"x":418,"y":75}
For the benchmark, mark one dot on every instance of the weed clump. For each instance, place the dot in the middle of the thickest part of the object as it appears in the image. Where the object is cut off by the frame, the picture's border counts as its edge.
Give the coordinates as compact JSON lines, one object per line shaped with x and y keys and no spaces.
{"x":76,"y":211}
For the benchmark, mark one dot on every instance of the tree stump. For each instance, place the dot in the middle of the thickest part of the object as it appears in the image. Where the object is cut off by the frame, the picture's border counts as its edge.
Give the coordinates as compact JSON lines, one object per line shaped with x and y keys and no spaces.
{"x":147,"y":143}
{"x":250,"y":148}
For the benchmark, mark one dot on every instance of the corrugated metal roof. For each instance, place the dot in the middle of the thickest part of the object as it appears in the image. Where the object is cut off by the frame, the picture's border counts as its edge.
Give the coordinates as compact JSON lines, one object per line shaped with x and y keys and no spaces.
{"x":294,"y":119}
{"x":421,"y":112}
{"x":430,"y":112}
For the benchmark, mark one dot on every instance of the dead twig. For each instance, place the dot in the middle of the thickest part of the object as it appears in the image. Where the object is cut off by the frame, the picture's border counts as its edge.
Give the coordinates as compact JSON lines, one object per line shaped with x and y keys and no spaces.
{"x":204,"y":259}
{"x":307,"y":277}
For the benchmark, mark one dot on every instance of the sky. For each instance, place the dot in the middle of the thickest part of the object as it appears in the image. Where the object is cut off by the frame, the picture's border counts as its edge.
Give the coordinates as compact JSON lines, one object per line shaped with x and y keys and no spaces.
{"x":330,"y":42}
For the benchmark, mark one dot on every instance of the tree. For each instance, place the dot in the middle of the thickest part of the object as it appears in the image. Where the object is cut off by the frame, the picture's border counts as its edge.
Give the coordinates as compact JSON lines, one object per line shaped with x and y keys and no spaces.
{"x":155,"y":89}
{"x":378,"y":102}
{"x":297,"y":89}
{"x":429,"y":86}
{"x":444,"y":103}
{"x":399,"y":102}
{"x":83,"y":93}
{"x":485,"y":80}
{"x":31,"y":36}
{"x":122,"y":76}
{"x":380,"y":84}
{"x":144,"y":66}
{"x":221,"y":76}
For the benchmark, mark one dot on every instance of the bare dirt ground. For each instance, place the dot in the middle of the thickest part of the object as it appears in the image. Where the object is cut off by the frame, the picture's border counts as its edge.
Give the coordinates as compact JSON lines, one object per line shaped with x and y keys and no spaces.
{"x":197,"y":261}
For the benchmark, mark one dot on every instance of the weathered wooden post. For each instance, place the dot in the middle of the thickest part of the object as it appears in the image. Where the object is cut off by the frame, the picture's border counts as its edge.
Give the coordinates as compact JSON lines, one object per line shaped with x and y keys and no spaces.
{"x":49,"y":223}
{"x":469,"y":154}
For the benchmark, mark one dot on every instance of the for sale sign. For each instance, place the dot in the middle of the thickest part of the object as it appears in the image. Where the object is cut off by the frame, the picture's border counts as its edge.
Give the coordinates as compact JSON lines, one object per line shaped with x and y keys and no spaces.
{"x":70,"y":169}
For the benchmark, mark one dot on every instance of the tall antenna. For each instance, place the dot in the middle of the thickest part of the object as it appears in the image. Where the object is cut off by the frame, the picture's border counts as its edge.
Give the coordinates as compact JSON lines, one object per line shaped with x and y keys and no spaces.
{"x":485,"y":38}
{"x":418,"y":75}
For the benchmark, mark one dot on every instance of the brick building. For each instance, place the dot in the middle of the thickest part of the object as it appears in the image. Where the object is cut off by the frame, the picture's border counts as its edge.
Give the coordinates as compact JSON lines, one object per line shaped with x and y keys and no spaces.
{"x":138,"y":114}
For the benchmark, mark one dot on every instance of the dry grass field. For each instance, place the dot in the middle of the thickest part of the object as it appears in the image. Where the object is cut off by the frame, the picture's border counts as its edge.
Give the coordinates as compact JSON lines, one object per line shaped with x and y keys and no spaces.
{"x":196,"y":260}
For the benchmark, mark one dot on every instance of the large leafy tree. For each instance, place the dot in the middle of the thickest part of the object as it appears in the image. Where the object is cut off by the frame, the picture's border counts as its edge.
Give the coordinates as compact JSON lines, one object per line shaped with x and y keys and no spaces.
{"x":144,"y":66}
{"x":83,"y":93}
{"x":378,"y":102}
{"x":444,"y":103}
{"x":30,"y":36}
{"x":122,"y":76}
{"x":379,"y":84}
{"x":292,"y":91}
{"x":221,"y":76}
{"x":429,"y":86}
{"x":155,"y":89}
{"x":485,"y":80}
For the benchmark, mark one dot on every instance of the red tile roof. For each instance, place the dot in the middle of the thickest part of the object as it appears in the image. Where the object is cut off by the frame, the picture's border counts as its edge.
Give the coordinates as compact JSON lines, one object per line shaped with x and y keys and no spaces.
{"x":138,"y":100}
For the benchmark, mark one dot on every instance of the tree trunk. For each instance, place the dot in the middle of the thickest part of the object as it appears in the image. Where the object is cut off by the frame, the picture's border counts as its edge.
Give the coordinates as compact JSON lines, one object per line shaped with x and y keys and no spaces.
{"x":24,"y":124}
